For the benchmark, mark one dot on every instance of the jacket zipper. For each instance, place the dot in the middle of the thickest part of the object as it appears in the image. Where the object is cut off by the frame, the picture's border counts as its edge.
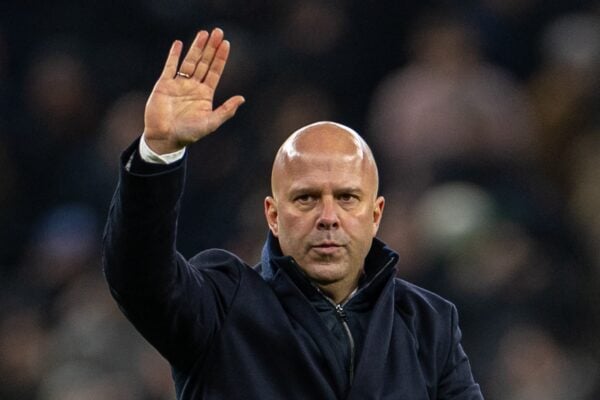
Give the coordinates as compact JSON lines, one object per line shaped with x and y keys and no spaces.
{"x":339,"y":308}
{"x":344,"y":318}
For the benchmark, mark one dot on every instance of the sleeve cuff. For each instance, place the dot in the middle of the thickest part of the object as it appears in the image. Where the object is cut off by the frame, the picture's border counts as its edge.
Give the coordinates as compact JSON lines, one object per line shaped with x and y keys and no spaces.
{"x":149,"y":156}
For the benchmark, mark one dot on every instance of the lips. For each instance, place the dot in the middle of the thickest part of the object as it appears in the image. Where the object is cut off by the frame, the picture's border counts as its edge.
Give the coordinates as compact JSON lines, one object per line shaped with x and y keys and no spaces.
{"x":326,"y":247}
{"x":327,"y":244}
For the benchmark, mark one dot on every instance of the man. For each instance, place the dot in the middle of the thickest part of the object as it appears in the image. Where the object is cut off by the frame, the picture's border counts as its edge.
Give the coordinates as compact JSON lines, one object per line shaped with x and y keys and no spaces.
{"x":322,"y":316}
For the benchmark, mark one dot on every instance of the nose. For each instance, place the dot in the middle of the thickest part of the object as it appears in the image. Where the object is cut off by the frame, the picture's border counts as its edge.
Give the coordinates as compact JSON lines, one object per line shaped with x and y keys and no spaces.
{"x":328,"y":218}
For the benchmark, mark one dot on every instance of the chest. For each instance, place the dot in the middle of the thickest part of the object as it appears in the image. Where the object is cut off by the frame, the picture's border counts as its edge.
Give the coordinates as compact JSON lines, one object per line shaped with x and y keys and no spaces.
{"x":274,"y":344}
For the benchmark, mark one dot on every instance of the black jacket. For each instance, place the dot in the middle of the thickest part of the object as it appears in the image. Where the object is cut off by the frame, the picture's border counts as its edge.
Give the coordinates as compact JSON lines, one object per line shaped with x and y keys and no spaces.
{"x":231,"y":331}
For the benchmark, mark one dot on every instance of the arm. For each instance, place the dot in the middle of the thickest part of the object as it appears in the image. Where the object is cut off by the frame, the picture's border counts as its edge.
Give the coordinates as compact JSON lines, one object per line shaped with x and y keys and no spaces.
{"x":175,"y":305}
{"x":456,"y":382}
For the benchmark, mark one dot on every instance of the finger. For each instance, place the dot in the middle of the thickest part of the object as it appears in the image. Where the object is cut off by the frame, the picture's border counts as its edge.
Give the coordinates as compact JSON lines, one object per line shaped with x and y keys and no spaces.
{"x":170,"y":67}
{"x":224,"y":112}
{"x":218,"y":65}
{"x":188,"y":65}
{"x":215,"y":39}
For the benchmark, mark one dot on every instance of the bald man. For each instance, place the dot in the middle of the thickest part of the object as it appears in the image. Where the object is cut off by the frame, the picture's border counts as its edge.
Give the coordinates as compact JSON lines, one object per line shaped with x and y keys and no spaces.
{"x":322,"y":315}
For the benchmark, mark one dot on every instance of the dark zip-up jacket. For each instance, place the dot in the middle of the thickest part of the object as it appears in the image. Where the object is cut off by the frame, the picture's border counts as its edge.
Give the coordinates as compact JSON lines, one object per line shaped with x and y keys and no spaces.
{"x":231,"y":331}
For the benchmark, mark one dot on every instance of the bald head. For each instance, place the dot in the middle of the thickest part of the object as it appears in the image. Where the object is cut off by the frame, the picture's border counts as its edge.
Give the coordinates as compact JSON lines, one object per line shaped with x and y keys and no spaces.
{"x":319,"y":142}
{"x":325,"y":210}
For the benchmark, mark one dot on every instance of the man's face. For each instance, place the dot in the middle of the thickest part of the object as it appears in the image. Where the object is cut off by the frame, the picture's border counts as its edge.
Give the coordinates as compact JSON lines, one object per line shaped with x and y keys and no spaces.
{"x":324,"y":210}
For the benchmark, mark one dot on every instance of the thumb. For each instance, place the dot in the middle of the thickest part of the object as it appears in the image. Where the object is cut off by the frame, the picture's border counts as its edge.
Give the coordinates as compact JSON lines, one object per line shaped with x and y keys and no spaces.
{"x":225,"y":111}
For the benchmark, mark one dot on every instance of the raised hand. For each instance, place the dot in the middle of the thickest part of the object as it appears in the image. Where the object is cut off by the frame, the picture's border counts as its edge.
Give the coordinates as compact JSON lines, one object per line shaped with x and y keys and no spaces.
{"x":180,"y":110}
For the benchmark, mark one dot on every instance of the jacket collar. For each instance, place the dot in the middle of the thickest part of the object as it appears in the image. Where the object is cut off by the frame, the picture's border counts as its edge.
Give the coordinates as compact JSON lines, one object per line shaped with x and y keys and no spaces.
{"x":379,"y":263}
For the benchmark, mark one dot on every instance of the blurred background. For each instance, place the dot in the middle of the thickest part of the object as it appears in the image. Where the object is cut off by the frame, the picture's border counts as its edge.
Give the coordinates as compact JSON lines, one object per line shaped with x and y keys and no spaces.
{"x":484,"y":116}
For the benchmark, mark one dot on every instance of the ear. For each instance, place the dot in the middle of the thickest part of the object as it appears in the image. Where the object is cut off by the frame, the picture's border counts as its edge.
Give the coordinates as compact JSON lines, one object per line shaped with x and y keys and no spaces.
{"x":271,"y":215}
{"x":377,"y":213}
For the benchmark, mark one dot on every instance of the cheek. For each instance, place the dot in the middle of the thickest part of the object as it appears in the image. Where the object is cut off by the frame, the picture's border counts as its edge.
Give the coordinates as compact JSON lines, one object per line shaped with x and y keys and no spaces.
{"x":294,"y":225}
{"x":293,"y":231}
{"x":292,"y":218}
{"x":360,"y":228}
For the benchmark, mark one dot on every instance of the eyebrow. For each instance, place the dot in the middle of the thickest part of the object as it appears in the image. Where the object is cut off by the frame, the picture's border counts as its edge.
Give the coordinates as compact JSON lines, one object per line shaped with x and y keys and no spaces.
{"x":349,"y":189}
{"x":312,"y":190}
{"x":302,"y":189}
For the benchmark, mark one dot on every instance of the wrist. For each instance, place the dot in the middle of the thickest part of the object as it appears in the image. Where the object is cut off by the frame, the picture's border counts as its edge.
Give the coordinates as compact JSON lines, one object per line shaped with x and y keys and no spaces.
{"x":149,"y":155}
{"x":161,"y":146}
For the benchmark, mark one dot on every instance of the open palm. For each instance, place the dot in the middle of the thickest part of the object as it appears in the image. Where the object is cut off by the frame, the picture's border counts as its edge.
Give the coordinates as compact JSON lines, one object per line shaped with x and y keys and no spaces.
{"x":180,"y":110}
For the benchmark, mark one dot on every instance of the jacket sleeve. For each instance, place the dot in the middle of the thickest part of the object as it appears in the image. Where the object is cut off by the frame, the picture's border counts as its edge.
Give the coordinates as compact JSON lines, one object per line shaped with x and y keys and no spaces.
{"x":177,"y":306}
{"x":456,"y":381}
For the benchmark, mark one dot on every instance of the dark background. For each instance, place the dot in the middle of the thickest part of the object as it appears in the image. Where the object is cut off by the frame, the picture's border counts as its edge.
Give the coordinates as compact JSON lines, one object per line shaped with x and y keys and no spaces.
{"x":484,"y":116}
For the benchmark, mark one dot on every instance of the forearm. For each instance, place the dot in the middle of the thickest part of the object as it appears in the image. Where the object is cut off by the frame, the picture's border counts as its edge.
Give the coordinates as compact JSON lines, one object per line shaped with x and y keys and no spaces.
{"x":139,"y":242}
{"x":175,"y":305}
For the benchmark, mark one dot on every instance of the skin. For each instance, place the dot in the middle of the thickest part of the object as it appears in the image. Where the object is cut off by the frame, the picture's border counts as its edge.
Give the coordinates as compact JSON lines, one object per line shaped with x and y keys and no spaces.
{"x":324,"y":208}
{"x":180,"y":110}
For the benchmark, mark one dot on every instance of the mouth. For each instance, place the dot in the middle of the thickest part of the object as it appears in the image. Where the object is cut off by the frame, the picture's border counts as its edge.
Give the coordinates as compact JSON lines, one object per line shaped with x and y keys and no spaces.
{"x":327,"y":247}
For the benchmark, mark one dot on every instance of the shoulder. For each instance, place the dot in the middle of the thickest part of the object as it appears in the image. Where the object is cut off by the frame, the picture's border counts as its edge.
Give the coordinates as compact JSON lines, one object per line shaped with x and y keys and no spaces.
{"x":218,"y":260}
{"x":428,"y":316}
{"x":219,"y":264}
{"x":411,"y":299}
{"x":215,"y":258}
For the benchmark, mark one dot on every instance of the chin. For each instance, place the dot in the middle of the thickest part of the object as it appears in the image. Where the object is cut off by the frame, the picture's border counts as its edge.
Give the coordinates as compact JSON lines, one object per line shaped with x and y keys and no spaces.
{"x":325,"y":274}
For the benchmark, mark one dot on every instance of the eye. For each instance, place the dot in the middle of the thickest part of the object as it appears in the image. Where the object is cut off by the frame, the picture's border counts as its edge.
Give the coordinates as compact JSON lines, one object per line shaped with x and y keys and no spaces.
{"x":348,"y":198}
{"x":304,"y":198}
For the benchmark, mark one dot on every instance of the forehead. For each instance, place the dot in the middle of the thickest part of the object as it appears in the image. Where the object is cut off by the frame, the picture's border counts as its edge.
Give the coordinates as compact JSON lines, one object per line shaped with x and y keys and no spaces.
{"x":324,"y":153}
{"x":323,"y":171}
{"x":326,"y":166}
